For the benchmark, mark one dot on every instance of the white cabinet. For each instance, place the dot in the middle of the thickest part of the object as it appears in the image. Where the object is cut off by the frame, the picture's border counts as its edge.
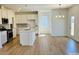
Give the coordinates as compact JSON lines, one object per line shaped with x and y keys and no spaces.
{"x":21,"y":18}
{"x":9,"y":13}
{"x":0,"y":17}
{"x":3,"y":37}
{"x":32,"y":16}
{"x":0,"y":41}
{"x":18,"y":19}
{"x":4,"y":12}
{"x":25,"y":17}
{"x":14,"y":33}
{"x":27,"y":37}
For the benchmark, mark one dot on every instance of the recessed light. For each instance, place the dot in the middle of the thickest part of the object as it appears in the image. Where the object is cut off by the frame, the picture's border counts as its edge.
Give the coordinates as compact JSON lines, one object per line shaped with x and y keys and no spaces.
{"x":63,"y":16}
{"x":59,"y":16}
{"x":56,"y":16}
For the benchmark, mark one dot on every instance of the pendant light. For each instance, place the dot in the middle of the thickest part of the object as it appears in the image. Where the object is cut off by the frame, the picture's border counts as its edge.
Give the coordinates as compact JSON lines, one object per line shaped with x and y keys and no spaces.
{"x":59,"y":12}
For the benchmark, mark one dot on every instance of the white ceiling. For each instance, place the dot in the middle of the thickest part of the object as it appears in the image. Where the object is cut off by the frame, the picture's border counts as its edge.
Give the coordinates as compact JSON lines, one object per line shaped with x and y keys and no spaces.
{"x":35,"y":7}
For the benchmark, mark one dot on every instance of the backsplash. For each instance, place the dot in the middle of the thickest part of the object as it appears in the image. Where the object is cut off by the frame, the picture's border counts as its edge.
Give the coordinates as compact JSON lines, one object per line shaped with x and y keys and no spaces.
{"x":5,"y":25}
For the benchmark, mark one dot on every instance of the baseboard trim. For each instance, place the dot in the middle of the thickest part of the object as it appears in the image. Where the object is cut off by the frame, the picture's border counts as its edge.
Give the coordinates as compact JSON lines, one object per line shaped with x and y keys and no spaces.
{"x":73,"y":39}
{"x":67,"y":36}
{"x":17,"y":34}
{"x":14,"y":37}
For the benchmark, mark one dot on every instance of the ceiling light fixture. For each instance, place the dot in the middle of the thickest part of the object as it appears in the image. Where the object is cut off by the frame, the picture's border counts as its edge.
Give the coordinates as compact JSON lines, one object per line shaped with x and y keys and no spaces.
{"x":60,"y":12}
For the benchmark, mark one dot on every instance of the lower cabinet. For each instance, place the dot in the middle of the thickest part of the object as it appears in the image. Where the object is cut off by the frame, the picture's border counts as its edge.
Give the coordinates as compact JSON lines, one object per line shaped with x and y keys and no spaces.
{"x":3,"y":37}
{"x":0,"y":41}
{"x":27,"y":38}
{"x":14,"y":33}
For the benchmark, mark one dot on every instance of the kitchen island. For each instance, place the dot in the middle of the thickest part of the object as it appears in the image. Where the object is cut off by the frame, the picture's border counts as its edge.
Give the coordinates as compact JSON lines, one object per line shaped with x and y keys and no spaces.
{"x":27,"y":37}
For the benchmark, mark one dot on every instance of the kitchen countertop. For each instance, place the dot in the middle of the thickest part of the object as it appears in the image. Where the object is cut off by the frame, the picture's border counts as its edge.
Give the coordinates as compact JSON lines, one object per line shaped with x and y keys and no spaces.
{"x":2,"y":30}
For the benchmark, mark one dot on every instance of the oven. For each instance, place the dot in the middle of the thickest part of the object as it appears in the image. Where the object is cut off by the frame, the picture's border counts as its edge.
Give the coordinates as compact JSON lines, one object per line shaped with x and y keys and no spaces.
{"x":9,"y":35}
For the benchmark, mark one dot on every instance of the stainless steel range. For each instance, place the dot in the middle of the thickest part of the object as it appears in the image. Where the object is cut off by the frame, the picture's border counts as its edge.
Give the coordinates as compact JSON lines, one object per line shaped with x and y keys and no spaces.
{"x":9,"y":35}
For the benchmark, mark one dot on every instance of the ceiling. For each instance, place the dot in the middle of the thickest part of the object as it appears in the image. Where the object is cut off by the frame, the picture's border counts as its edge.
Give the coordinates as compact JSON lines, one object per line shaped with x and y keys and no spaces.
{"x":34,"y":7}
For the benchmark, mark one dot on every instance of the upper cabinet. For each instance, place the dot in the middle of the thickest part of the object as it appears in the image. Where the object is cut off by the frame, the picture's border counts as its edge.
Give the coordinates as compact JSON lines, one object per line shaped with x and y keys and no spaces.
{"x":31,"y":16}
{"x":21,"y":18}
{"x":18,"y":19}
{"x":24,"y":18}
{"x":4,"y":12}
{"x":9,"y":13}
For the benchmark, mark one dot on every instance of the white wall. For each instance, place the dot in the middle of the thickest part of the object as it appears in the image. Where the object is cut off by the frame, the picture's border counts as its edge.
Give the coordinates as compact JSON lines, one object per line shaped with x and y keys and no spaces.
{"x":42,"y":29}
{"x":59,"y":25}
{"x":74,"y":11}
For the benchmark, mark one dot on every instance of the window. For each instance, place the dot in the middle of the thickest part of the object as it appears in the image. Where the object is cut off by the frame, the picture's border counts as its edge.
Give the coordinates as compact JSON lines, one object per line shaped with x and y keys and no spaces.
{"x":44,"y":21}
{"x":72,"y":25}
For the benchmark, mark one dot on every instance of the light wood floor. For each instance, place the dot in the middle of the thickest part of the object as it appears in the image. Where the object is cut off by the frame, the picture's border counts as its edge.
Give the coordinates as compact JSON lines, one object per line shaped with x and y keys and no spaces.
{"x":46,"y":45}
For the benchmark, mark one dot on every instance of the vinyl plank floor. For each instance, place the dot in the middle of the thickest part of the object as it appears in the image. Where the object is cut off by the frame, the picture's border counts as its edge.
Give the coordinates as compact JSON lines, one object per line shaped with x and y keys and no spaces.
{"x":44,"y":45}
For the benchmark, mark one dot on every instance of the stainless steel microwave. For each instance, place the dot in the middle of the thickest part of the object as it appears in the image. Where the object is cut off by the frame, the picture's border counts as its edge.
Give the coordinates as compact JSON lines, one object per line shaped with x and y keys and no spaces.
{"x":4,"y":21}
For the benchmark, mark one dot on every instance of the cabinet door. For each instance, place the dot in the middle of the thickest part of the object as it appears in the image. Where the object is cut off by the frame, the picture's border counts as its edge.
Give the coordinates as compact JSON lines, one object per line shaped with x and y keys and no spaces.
{"x":0,"y":17}
{"x":14,"y":33}
{"x":4,"y":13}
{"x":32,"y":16}
{"x":4,"y":37}
{"x":10,"y":16}
{"x":23,"y":18}
{"x":0,"y":41}
{"x":18,"y":19}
